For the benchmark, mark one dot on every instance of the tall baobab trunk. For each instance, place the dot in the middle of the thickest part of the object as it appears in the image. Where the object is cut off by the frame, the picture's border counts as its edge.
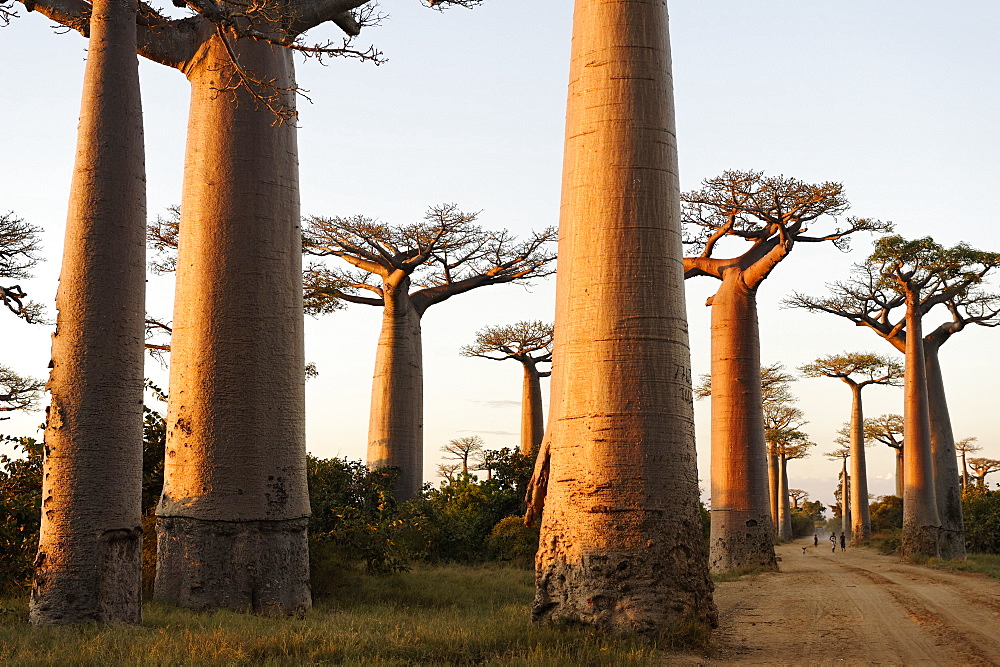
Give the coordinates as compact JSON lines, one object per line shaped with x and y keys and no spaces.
{"x":772,"y":484}
{"x":845,"y":495}
{"x":232,"y":519}
{"x":532,"y":423}
{"x":947,"y":488}
{"x":741,"y":534}
{"x":88,"y":566}
{"x":396,"y":426}
{"x":900,"y":474}
{"x":784,"y":511}
{"x":921,"y":522}
{"x":621,"y":544}
{"x":860,"y":525}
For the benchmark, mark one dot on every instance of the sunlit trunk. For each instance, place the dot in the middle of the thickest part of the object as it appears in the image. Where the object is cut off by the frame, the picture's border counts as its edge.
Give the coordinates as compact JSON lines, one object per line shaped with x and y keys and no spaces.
{"x":947,"y":488}
{"x":621,"y":543}
{"x":741,"y":534}
{"x":396,"y":420}
{"x":845,"y":495}
{"x":900,"y":474}
{"x":532,"y":423}
{"x":88,"y":565}
{"x":860,"y":526}
{"x":772,"y":485}
{"x":921,"y":522}
{"x":784,"y":511}
{"x":232,"y":520}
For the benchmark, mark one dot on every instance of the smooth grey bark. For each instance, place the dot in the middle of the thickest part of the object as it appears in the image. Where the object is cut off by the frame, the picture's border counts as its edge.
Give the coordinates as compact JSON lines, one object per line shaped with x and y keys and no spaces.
{"x":772,"y":484}
{"x":845,"y":495}
{"x":89,"y":554}
{"x":947,"y":485}
{"x":784,"y":511}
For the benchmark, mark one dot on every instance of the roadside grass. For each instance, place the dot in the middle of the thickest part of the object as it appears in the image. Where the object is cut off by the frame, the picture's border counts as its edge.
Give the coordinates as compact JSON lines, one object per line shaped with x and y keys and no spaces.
{"x":430,"y":615}
{"x":988,"y":564}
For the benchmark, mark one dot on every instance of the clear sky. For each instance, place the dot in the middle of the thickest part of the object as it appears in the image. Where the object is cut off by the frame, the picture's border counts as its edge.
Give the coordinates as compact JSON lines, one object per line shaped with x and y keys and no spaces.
{"x":894,"y":99}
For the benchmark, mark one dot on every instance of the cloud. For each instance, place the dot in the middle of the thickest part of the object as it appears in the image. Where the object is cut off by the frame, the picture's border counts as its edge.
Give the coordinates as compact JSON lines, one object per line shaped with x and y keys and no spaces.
{"x":501,"y":404}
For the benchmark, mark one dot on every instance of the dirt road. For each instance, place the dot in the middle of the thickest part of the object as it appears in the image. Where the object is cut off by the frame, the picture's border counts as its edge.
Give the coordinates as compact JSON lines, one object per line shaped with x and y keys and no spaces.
{"x":857,"y":607}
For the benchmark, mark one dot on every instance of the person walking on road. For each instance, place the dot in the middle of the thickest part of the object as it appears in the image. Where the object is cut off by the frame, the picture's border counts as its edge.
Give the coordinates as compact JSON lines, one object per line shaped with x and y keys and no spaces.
{"x":815,"y":539}
{"x":833,"y":541}
{"x":843,"y":542}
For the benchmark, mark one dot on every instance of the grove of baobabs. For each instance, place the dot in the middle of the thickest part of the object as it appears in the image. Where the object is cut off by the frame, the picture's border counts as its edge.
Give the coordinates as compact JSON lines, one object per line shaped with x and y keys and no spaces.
{"x":187,"y":500}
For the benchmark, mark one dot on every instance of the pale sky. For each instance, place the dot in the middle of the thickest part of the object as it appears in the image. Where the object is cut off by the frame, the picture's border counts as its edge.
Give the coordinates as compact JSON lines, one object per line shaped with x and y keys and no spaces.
{"x":894,"y":99}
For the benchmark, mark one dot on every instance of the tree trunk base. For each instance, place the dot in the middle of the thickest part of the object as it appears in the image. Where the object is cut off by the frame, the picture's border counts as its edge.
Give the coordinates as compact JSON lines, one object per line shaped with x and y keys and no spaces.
{"x":627,"y":592}
{"x":249,"y":566}
{"x":741,"y":540}
{"x":921,"y":541}
{"x":66,"y":592}
{"x":951,"y":544}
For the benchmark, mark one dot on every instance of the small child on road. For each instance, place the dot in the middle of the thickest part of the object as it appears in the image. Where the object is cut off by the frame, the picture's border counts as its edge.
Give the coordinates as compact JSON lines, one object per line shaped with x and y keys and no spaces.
{"x":843,"y":542}
{"x":833,"y":541}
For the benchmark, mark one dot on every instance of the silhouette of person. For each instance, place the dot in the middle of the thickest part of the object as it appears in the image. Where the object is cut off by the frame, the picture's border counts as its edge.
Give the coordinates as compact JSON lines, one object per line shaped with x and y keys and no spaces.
{"x":843,"y":542}
{"x":833,"y":541}
{"x":815,"y":539}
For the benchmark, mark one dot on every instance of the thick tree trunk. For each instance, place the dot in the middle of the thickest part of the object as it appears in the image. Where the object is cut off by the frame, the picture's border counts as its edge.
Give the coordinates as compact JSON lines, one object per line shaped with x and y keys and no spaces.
{"x":741,"y":525}
{"x":532,"y":423}
{"x":965,"y":473}
{"x":921,"y":522}
{"x":396,"y":421}
{"x":232,"y":519}
{"x":772,"y":485}
{"x":88,"y":566}
{"x":621,"y":545}
{"x":784,"y":511}
{"x":860,"y":526}
{"x":947,"y":488}
{"x":900,"y":474}
{"x":845,"y":499}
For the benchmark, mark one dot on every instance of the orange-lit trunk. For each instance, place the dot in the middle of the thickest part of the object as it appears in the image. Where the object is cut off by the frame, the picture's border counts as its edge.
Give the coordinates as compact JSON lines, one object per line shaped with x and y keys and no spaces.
{"x":621,"y":545}
{"x":88,"y":566}
{"x":784,"y":510}
{"x":396,"y":420}
{"x":532,"y":423}
{"x":232,"y":520}
{"x":741,"y":535}
{"x":772,"y":485}
{"x":860,"y":525}
{"x":921,"y":522}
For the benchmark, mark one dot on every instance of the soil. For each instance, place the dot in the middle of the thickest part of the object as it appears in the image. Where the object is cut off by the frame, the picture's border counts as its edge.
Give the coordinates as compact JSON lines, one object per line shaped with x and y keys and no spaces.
{"x":856,"y":607}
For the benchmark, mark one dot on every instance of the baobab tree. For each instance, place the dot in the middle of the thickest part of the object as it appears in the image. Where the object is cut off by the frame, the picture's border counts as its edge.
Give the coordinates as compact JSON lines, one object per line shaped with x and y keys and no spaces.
{"x":18,"y":392}
{"x":88,"y":566}
{"x":858,"y":370}
{"x":888,"y":429}
{"x":964,"y":447}
{"x":789,"y":445}
{"x":462,"y":449}
{"x":20,"y":251}
{"x":915,"y":276}
{"x":235,"y":472}
{"x":530,"y":343}
{"x":797,"y":496}
{"x":982,"y":467}
{"x":621,"y":545}
{"x":842,"y":454}
{"x":405,"y":270}
{"x":772,"y":214}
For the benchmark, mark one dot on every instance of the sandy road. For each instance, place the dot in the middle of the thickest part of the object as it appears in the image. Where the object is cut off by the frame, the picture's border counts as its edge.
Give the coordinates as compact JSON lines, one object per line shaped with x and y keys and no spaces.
{"x":857,"y":607}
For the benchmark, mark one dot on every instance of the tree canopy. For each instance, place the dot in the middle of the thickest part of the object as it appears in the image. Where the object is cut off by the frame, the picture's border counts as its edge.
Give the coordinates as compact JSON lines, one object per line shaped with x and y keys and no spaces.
{"x":522,"y":341}
{"x":20,"y":251}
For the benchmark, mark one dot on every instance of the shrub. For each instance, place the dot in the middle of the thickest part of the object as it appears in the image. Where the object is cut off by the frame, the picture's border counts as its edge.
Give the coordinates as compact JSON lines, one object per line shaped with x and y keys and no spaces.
{"x":981,"y":508}
{"x":20,"y":512}
{"x":886,"y":514}
{"x":512,"y":541}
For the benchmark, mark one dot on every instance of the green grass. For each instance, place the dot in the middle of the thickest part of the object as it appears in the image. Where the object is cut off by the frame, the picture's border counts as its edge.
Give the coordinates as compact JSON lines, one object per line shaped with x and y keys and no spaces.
{"x":988,"y":564}
{"x":431,"y":615}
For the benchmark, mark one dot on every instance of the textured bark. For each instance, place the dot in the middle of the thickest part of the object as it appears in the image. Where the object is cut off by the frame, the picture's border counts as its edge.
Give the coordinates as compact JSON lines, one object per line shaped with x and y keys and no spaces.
{"x":620,"y":545}
{"x":947,"y":484}
{"x":88,"y":566}
{"x":252,"y":566}
{"x":845,"y":496}
{"x":921,"y":522}
{"x":532,"y":422}
{"x":741,"y":535}
{"x":772,"y":485}
{"x":784,"y":511}
{"x":236,"y":431}
{"x":860,"y":525}
{"x":396,"y":426}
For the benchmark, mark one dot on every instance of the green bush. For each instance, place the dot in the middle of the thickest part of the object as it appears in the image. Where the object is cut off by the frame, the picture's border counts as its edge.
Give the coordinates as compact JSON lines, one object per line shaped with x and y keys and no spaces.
{"x":886,"y":514}
{"x":981,"y":508}
{"x":20,"y":512}
{"x":514,"y":542}
{"x":802,"y":523}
